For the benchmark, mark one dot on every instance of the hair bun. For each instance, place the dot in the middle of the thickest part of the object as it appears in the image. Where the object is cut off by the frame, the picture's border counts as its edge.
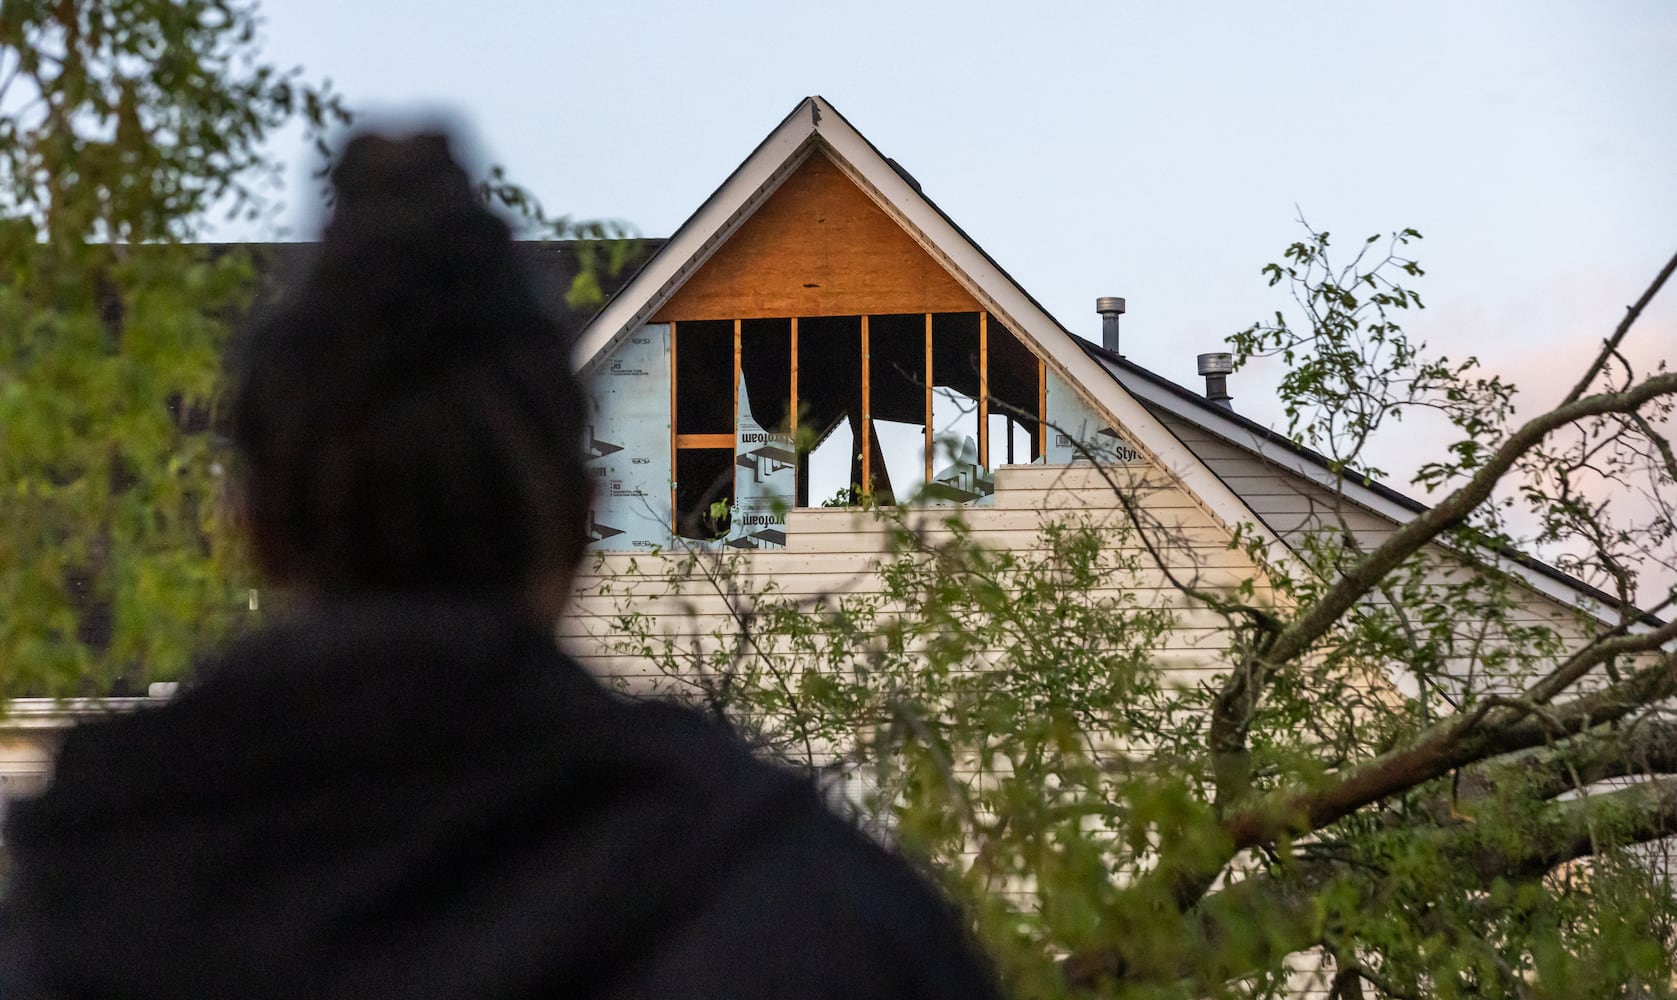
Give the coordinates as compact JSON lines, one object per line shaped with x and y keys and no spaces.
{"x":414,"y":270}
{"x":378,"y":170}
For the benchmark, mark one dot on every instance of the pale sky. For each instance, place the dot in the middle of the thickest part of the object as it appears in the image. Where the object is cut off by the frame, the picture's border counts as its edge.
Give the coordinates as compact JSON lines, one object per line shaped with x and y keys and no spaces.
{"x":1158,"y":151}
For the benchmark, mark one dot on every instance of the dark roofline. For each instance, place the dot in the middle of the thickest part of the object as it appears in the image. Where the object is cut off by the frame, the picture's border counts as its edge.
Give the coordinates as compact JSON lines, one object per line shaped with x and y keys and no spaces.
{"x":1385,"y":492}
{"x":1269,"y":436}
{"x":551,"y":265}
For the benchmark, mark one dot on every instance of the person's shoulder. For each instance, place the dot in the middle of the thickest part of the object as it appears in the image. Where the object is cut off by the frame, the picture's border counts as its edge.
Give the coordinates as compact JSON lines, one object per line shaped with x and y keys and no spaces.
{"x":802,"y":902}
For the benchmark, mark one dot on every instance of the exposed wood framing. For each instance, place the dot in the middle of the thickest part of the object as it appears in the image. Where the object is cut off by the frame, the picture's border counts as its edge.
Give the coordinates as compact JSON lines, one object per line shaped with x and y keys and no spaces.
{"x":865,"y":442}
{"x":867,"y":414}
{"x":931,"y":445}
{"x":1041,"y":436}
{"x":819,"y":246}
{"x":673,"y":514}
{"x":983,"y":390}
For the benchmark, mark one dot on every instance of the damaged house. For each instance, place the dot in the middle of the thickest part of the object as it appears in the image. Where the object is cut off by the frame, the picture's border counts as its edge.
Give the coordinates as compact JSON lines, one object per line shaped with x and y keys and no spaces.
{"x":819,"y":333}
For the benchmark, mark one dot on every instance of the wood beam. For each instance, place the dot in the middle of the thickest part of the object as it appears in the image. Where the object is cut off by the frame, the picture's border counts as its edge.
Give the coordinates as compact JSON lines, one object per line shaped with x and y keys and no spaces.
{"x":673,"y":514}
{"x":983,"y":390}
{"x":867,"y":415}
{"x":931,"y":444}
{"x":1041,"y":410}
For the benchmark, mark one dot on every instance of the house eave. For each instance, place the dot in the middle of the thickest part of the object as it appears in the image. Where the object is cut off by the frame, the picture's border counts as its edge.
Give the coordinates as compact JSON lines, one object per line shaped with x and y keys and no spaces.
{"x":1370,"y":494}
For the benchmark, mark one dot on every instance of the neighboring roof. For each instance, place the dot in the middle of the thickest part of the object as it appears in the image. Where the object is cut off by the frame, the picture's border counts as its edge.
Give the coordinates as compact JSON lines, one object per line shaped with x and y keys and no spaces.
{"x":553,"y":265}
{"x":1288,"y":455}
{"x":816,"y":128}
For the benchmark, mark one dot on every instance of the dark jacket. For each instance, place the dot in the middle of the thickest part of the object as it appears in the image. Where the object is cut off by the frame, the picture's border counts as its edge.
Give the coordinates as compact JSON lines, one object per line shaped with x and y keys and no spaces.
{"x":429,"y":800}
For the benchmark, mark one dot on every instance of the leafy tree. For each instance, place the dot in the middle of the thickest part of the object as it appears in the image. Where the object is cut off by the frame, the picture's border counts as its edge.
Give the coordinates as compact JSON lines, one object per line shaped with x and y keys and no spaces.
{"x":125,"y":130}
{"x":1396,"y":775}
{"x":123,"y":126}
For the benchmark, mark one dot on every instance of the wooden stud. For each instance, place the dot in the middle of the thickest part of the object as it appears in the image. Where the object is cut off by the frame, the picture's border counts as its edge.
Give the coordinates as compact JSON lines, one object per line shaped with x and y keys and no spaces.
{"x":736,"y":376}
{"x":1041,"y":411}
{"x":800,"y":464}
{"x":673,"y":513}
{"x":983,"y":390}
{"x":931,"y":445}
{"x":704,"y":440}
{"x":867,"y":414}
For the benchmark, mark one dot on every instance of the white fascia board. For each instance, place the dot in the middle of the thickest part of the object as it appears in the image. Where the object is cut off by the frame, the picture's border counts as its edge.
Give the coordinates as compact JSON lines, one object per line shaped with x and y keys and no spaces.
{"x":700,"y":236}
{"x":1053,"y":342}
{"x":1288,"y":461}
{"x":50,"y":714}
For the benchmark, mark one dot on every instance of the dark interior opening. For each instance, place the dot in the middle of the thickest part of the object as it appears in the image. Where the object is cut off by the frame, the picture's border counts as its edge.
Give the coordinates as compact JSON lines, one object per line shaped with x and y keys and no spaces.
{"x":897,"y":396}
{"x":829,"y":389}
{"x":955,"y":352}
{"x":897,"y":368}
{"x":1015,"y":374}
{"x":704,"y":377}
{"x":766,"y":368}
{"x":703,"y":476}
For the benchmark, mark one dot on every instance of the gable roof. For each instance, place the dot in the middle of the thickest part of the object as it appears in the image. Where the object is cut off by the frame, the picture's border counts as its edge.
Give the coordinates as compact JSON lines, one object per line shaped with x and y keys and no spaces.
{"x":816,"y":125}
{"x":1125,"y":393}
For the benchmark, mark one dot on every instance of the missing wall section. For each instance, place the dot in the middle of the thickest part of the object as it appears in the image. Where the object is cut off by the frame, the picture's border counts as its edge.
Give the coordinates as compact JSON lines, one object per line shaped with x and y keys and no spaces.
{"x":765,"y":455}
{"x":897,"y":405}
{"x":825,"y":410}
{"x":704,"y":478}
{"x":829,"y":408}
{"x":703,"y":402}
{"x":1014,"y":427}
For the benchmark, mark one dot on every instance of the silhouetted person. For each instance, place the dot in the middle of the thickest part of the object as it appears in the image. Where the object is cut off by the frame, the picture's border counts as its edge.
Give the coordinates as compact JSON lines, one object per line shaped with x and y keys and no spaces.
{"x":404,"y":788}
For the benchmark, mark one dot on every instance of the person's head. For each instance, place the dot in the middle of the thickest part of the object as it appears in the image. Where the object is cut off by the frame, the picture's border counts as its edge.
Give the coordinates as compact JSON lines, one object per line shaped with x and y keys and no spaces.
{"x":407,"y":419}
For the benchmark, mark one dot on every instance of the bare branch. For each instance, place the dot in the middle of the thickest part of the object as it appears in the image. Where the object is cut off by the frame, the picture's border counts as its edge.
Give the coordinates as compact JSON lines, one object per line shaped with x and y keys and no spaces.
{"x":1610,"y":346}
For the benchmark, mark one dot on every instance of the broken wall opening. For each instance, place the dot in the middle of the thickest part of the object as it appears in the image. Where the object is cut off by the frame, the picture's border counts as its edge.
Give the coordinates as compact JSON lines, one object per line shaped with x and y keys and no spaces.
{"x":823,"y":410}
{"x":1014,"y":379}
{"x":829,"y":408}
{"x":897,"y":391}
{"x":702,"y":432}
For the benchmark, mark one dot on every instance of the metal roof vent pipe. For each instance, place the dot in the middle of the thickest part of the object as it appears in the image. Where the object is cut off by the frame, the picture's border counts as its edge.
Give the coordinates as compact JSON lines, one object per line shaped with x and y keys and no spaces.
{"x":1110,"y":307}
{"x":1217,"y":368}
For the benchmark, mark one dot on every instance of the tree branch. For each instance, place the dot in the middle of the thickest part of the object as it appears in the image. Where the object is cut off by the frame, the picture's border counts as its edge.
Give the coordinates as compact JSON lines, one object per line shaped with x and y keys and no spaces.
{"x":1274,"y":914}
{"x":1231,"y":713}
{"x":1414,"y":535}
{"x":1610,"y":346}
{"x":1442,"y":748}
{"x":1568,"y":831}
{"x":1645,"y":747}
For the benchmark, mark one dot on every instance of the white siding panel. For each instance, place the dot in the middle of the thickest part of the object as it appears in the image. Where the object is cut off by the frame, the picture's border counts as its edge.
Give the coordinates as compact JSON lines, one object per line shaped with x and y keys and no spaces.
{"x":832,"y":552}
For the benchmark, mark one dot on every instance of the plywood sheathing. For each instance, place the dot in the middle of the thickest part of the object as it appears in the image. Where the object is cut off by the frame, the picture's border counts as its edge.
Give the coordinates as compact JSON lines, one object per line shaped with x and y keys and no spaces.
{"x":818,"y":247}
